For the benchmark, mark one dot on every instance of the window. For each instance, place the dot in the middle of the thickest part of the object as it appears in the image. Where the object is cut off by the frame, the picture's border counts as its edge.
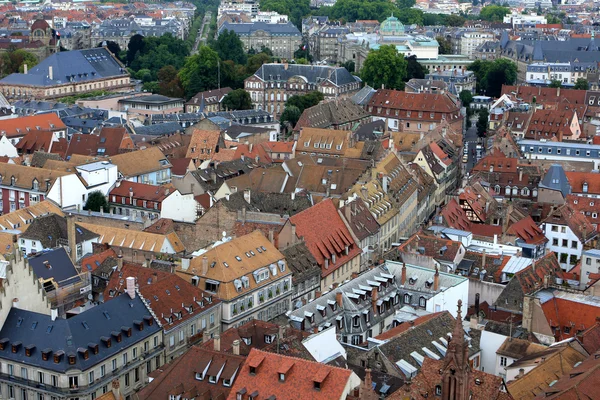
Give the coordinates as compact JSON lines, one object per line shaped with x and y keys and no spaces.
{"x":573,"y":244}
{"x":356,"y":321}
{"x":55,"y":380}
{"x":554,"y":242}
{"x":73,"y":382}
{"x":114,"y":364}
{"x":23,"y":373}
{"x":124,"y":358}
{"x":91,"y":377}
{"x":102,"y":371}
{"x":503,"y":361}
{"x":127,"y":379}
{"x":565,"y":243}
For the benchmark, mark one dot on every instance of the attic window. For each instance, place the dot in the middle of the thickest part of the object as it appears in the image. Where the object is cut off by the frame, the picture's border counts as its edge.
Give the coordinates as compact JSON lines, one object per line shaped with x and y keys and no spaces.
{"x":317,"y":385}
{"x":72,"y":359}
{"x":58,"y":355}
{"x":15,"y":347}
{"x":46,"y":354}
{"x":94,"y":347}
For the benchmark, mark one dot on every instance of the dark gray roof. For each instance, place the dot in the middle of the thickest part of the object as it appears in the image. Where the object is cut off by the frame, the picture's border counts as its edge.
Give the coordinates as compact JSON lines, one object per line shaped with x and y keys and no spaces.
{"x":28,"y":107}
{"x":76,"y":334}
{"x":556,"y":179}
{"x":54,"y":264}
{"x":52,"y":228}
{"x":580,"y":49}
{"x":301,"y":262}
{"x":275,"y":203}
{"x":247,"y":28}
{"x":314,"y":74}
{"x":371,"y":131}
{"x":153,"y":98}
{"x":211,"y":178}
{"x":363,"y":96}
{"x":159,"y":129}
{"x":242,"y":131}
{"x":70,"y":66}
{"x":39,"y":158}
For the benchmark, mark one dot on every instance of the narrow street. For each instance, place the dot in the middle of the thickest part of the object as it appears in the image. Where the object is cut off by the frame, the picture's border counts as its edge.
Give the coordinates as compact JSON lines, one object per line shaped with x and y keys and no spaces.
{"x":202,"y":32}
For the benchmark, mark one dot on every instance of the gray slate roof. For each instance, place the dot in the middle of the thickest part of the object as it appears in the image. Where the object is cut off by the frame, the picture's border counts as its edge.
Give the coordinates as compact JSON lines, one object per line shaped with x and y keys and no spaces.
{"x":248,"y":28}
{"x":301,"y":262}
{"x":159,"y":129}
{"x":556,"y":179}
{"x":276,"y":203}
{"x":54,"y":264}
{"x":70,"y":66}
{"x":314,"y":74}
{"x":75,"y":334}
{"x":52,"y":228}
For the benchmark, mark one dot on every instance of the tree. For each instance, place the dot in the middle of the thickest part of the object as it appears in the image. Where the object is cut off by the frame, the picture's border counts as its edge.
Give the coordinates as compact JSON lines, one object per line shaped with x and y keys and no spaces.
{"x":95,"y":201}
{"x":290,"y":116}
{"x":352,"y":10}
{"x":482,"y":122}
{"x":410,"y":16}
{"x":466,"y":97}
{"x":237,"y":99}
{"x":493,"y":13}
{"x":581,"y":84}
{"x":349,"y":65}
{"x":295,"y":9}
{"x":113,"y":47}
{"x":254,"y":62}
{"x":405,"y":3}
{"x":414,"y":69}
{"x":169,"y":83}
{"x":18,"y":58}
{"x":302,"y":52}
{"x":157,"y":52}
{"x":229,"y":47}
{"x":266,"y":50}
{"x":135,"y":46}
{"x":303,"y":102}
{"x":555,"y":83}
{"x":200,"y":71}
{"x":385,"y":66}
{"x":491,"y":75}
{"x":445,"y":47}
{"x":455,"y":20}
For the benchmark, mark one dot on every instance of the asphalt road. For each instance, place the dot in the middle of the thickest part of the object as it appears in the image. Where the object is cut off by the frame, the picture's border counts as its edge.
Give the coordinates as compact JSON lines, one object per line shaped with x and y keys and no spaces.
{"x":470,"y":139}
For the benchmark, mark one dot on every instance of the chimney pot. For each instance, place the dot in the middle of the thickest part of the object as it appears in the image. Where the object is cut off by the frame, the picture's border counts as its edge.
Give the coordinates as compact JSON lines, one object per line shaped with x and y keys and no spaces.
{"x":338,"y":299}
{"x":217,"y":342}
{"x":403,"y":280}
{"x":236,"y":347}
{"x":131,"y":287}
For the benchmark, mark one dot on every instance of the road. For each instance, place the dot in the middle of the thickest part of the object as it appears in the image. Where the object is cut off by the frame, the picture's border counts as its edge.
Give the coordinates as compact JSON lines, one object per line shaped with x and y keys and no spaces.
{"x":470,"y":139}
{"x":201,"y":36}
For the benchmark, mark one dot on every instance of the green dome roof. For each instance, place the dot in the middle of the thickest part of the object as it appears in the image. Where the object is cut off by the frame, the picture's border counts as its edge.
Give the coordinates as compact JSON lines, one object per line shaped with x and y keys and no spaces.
{"x":391,"y":26}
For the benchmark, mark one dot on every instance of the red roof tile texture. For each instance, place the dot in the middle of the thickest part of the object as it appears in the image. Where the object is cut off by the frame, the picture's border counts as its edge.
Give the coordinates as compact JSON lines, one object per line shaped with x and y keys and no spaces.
{"x":299,"y":378}
{"x":572,"y":315}
{"x":528,"y":231}
{"x":325,"y":234}
{"x":16,"y":127}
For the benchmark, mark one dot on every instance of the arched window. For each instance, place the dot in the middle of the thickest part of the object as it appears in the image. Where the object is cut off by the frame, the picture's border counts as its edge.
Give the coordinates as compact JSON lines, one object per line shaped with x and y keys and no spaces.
{"x":407,"y":298}
{"x":422,"y":302}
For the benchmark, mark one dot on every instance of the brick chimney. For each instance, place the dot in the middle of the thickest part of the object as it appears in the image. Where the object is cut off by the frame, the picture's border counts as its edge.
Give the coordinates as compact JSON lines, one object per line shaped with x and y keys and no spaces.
{"x":403,"y":280}
{"x":236,"y":347}
{"x":204,"y":265}
{"x":205,"y":336}
{"x":116,"y":389}
{"x":131,"y":287}
{"x":436,"y":280}
{"x":317,"y":294}
{"x":72,"y":237}
{"x":120,"y":261}
{"x":338,"y":299}
{"x":217,"y":342}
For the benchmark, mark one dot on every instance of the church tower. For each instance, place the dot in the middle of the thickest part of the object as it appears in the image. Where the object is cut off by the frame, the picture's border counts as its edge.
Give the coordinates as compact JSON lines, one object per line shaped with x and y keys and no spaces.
{"x":456,"y":370}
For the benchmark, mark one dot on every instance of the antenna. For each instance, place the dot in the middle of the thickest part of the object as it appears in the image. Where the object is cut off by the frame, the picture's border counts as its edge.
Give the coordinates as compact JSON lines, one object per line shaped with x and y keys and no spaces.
{"x":219,"y":73}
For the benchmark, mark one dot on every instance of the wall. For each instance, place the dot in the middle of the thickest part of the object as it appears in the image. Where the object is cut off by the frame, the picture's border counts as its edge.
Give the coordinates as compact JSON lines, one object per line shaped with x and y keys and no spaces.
{"x":490,"y":343}
{"x":448,"y":299}
{"x":488,"y":291}
{"x":215,"y":221}
{"x":68,"y":191}
{"x":569,"y":236}
{"x":179,"y":207}
{"x":7,"y":149}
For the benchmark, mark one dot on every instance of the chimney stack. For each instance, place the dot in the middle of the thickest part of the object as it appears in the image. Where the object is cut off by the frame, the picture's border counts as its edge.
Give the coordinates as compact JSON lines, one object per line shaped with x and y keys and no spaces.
{"x":483,"y":259}
{"x":247,"y":195}
{"x":204,"y":265}
{"x":236,"y":347}
{"x":115,"y":385}
{"x":473,"y":321}
{"x":272,"y":236}
{"x":50,"y":73}
{"x":25,"y":68}
{"x":131,"y":287}
{"x":403,"y":280}
{"x":120,"y":261}
{"x":436,"y":280}
{"x":520,"y":174}
{"x":374,"y":300}
{"x":72,"y":237}
{"x":338,"y":299}
{"x":217,"y":342}
{"x":205,"y":336}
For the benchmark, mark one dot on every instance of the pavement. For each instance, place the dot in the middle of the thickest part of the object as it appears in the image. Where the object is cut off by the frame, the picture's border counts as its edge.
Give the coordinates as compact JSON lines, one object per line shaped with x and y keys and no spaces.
{"x":470,"y":139}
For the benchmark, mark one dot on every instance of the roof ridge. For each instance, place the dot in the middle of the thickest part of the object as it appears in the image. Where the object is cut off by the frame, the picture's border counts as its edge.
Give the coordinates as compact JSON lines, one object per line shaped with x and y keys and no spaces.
{"x":300,"y":359}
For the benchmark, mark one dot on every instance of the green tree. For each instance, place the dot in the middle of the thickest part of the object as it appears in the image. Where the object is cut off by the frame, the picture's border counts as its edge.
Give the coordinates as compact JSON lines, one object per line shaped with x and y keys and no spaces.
{"x":555,"y":83}
{"x":18,"y":58}
{"x":266,"y":50}
{"x":352,"y":10}
{"x":200,"y":71}
{"x":553,"y":19}
{"x":254,"y":62}
{"x":581,"y":84}
{"x":158,"y":52}
{"x":482,"y":122}
{"x":384,"y":66}
{"x":349,"y":65}
{"x":295,"y":9}
{"x":455,"y":20}
{"x":290,"y":115}
{"x":410,"y":16}
{"x":414,"y":69}
{"x":303,"y":52}
{"x":445,"y":45}
{"x":405,"y":3}
{"x":145,"y":75}
{"x":491,"y":75}
{"x":237,"y":99}
{"x":466,"y":97}
{"x":169,"y":83}
{"x":301,"y":61}
{"x":229,"y":47}
{"x":113,"y":47}
{"x":95,"y":201}
{"x":135,"y":46}
{"x":493,"y":13}
{"x":305,"y":101}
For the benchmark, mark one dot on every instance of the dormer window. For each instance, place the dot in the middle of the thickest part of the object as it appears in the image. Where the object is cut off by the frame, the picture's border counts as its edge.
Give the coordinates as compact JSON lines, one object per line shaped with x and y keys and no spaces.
{"x":12,"y":181}
{"x":356,"y":321}
{"x":212,"y":379}
{"x":72,"y":359}
{"x":406,"y":298}
{"x":57,"y":356}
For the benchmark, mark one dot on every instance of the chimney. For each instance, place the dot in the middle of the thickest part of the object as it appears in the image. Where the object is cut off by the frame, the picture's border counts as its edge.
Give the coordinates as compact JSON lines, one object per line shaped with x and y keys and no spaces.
{"x":50,"y":73}
{"x":15,"y":302}
{"x":53,"y":314}
{"x":317,"y":294}
{"x":247,"y":195}
{"x":131,"y":287}
{"x":116,"y":385}
{"x":403,"y":280}
{"x":558,"y":91}
{"x":217,"y":342}
{"x":272,"y":236}
{"x":520,"y":174}
{"x":185,"y":263}
{"x":120,"y":261}
{"x":204,"y":265}
{"x":436,"y":280}
{"x":72,"y":237}
{"x":293,"y":196}
{"x":348,"y":212}
{"x":294,"y":238}
{"x":473,"y":321}
{"x":483,"y":257}
{"x":244,"y":215}
{"x":477,"y":304}
{"x":236,"y":347}
{"x":205,"y":336}
{"x":374,"y":300}
{"x":521,"y":373}
{"x":25,"y":68}
{"x":338,"y":299}
{"x":368,"y":385}
{"x":281,"y":332}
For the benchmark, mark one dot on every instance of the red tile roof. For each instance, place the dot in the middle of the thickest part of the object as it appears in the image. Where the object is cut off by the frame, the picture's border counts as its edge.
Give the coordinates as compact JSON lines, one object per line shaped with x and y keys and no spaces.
{"x":437,"y":150}
{"x":590,"y":338}
{"x":531,"y":278}
{"x":203,"y":145}
{"x":34,"y":141}
{"x":498,"y":162}
{"x":578,"y":179}
{"x":546,"y":95}
{"x":547,"y":124}
{"x":585,"y":205}
{"x":16,"y":127}
{"x":109,"y":142}
{"x":93,"y":261}
{"x":577,"y":222}
{"x":404,"y":326}
{"x":141,"y":191}
{"x":574,"y":315}
{"x":299,"y":382}
{"x":528,"y":231}
{"x":325,"y":234}
{"x":418,"y":102}
{"x":430,"y":246}
{"x":455,"y":216}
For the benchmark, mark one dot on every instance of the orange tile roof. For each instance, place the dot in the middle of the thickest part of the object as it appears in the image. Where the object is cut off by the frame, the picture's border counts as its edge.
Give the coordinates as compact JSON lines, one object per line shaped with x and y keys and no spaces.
{"x":325,"y":234}
{"x":141,"y":191}
{"x":299,"y":381}
{"x":392,"y":333}
{"x":437,"y":150}
{"x":577,"y":179}
{"x":575,"y":315}
{"x":203,"y":145}
{"x":93,"y":261}
{"x":15,"y":127}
